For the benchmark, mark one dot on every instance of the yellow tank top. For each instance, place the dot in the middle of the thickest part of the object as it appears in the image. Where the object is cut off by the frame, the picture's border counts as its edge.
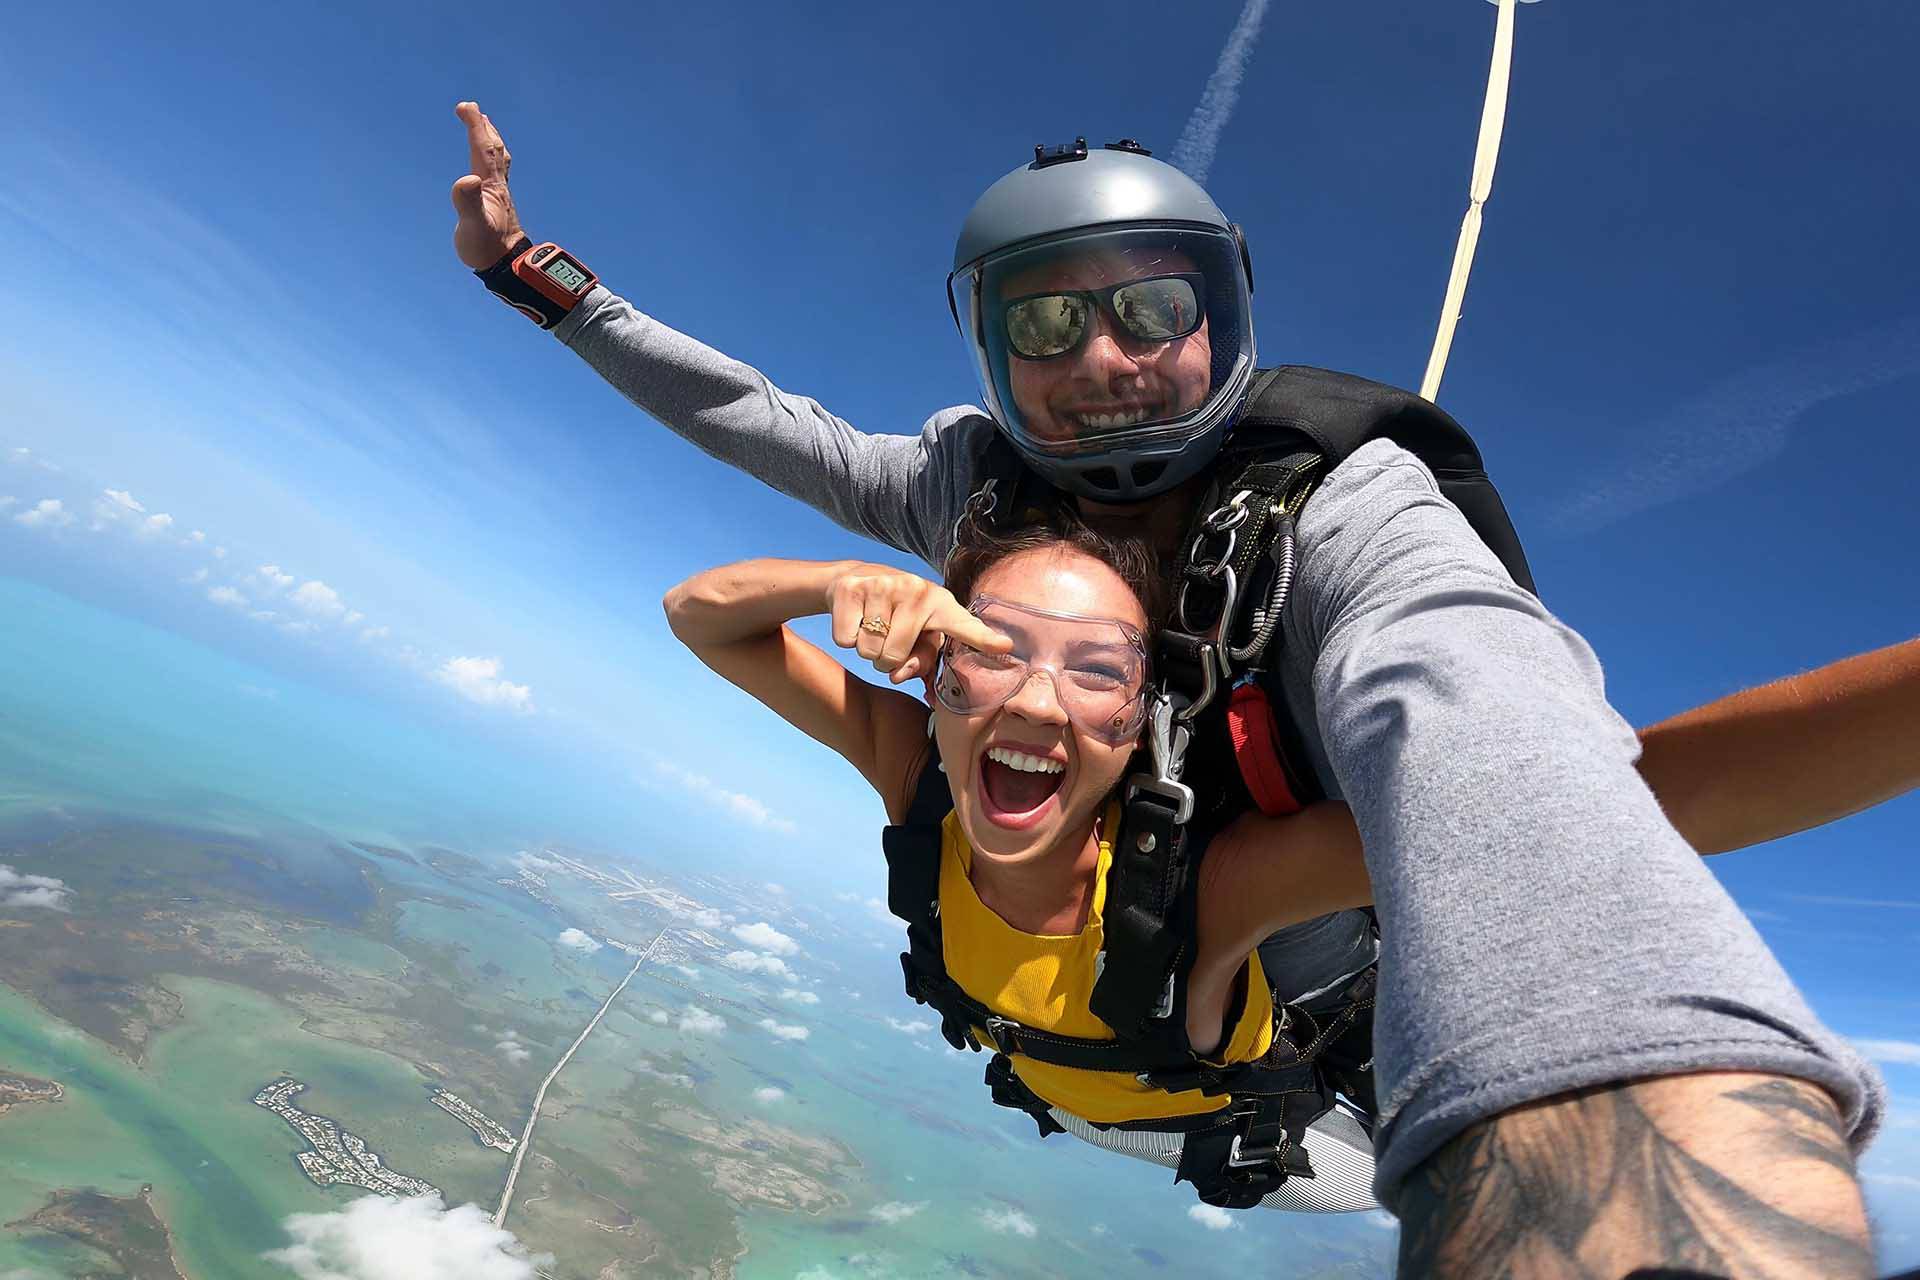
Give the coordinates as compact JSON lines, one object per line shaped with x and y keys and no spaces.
{"x":1044,"y":981}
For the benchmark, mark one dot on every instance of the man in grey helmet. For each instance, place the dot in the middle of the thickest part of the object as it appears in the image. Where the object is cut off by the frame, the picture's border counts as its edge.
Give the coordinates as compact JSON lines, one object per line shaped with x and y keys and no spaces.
{"x":1619,"y":1080}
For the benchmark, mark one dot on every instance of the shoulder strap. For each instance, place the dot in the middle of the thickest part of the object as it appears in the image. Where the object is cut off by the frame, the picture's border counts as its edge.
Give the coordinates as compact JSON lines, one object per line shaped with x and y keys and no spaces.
{"x":912,"y":847}
{"x":1333,"y":414}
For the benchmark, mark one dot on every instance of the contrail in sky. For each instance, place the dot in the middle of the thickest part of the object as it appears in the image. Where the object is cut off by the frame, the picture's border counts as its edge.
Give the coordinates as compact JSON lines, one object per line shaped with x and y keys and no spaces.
{"x":1737,"y":424}
{"x":1194,"y":152}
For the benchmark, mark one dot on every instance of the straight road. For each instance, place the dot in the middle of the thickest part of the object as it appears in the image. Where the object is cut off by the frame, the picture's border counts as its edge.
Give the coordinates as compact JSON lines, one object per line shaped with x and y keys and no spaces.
{"x":526,"y":1135}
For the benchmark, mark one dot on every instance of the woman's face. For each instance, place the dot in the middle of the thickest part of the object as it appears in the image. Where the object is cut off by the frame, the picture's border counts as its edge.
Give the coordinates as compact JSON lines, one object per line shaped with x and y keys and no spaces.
{"x":1011,"y":811}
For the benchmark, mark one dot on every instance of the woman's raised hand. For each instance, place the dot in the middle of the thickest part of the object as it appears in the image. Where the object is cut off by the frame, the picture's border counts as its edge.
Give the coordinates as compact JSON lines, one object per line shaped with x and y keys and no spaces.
{"x":488,"y":227}
{"x":898,"y":620}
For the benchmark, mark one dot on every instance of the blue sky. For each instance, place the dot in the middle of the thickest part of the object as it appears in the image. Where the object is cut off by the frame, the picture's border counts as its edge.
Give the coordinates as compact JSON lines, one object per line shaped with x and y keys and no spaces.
{"x":1690,"y":349}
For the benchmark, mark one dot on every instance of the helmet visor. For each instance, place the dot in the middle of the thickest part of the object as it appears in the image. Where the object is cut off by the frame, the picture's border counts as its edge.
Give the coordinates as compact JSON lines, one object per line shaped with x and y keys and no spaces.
{"x":1109,"y":339}
{"x":1096,"y":666}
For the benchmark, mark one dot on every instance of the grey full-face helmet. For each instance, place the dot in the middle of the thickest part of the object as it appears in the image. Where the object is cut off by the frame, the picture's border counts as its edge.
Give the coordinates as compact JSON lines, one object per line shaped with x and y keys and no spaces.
{"x":1107,"y":304}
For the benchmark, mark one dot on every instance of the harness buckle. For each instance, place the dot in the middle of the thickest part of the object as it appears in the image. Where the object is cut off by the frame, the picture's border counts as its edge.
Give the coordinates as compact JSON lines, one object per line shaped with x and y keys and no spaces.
{"x":995,"y":1026}
{"x":1241,"y":1156}
{"x":1167,"y":736}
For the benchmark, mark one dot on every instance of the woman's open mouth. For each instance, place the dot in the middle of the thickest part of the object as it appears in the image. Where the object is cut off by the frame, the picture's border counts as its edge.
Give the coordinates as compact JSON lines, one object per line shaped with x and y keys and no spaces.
{"x":1017,"y":788}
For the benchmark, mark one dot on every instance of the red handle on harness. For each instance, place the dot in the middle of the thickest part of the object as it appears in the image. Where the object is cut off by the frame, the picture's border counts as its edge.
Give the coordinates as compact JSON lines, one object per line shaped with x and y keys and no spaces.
{"x":1256,"y":749}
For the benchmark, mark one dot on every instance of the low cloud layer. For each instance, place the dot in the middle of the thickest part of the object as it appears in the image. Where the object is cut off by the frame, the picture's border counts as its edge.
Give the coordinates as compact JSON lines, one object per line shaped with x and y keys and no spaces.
{"x":897,"y":1210}
{"x":376,"y":1238}
{"x":578,"y":940}
{"x":18,"y":891}
{"x":755,"y":962}
{"x":701,"y":1022}
{"x":782,"y":1031}
{"x":1008,"y":1222}
{"x":766,"y":938}
{"x":1212,"y":1217}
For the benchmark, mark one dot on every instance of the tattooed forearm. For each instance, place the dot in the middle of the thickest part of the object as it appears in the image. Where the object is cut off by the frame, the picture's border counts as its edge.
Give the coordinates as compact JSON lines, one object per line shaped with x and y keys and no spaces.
{"x":1686,"y":1176}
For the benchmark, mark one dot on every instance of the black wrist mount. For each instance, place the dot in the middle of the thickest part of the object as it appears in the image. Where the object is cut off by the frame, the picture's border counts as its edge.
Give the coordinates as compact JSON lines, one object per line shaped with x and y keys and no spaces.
{"x":503,"y":284}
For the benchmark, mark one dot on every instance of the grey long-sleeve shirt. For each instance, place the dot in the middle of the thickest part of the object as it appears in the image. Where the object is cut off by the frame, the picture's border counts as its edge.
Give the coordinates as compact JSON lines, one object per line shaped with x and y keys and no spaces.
{"x":1545,"y":927}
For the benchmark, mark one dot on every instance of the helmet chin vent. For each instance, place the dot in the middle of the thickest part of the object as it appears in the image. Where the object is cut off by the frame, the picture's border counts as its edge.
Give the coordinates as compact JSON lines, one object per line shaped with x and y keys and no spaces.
{"x":1102,"y":478}
{"x":1145,"y":473}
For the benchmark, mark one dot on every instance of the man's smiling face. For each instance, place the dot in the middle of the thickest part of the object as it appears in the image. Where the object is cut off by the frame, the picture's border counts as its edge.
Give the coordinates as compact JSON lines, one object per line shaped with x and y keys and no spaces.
{"x":1114,"y":380}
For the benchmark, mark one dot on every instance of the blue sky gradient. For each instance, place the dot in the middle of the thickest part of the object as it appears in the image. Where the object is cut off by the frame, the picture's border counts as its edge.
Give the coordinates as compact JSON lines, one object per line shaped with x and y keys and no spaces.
{"x":1690,"y":351}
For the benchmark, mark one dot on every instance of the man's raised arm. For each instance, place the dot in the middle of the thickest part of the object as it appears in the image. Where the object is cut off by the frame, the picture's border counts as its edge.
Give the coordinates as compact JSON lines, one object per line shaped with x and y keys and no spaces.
{"x":904,"y":491}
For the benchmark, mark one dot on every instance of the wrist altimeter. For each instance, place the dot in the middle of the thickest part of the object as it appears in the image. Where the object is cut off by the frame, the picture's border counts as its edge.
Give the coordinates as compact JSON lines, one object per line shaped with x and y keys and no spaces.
{"x":543,"y":282}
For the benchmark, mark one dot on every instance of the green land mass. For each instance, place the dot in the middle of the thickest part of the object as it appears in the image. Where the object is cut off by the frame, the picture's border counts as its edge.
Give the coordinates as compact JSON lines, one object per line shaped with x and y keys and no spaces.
{"x":193,"y":966}
{"x":126,"y":1230}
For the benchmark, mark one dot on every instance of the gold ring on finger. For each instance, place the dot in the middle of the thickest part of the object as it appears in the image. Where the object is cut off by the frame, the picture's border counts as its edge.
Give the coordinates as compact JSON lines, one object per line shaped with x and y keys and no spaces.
{"x":874,"y":626}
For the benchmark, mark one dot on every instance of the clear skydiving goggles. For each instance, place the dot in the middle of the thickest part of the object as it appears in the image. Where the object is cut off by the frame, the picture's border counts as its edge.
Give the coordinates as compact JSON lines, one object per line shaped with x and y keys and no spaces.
{"x":1046,"y":326}
{"x":1096,"y":666}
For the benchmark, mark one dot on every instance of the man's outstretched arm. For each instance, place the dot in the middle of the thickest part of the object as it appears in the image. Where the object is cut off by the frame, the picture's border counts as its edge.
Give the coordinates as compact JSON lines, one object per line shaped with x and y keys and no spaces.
{"x":1725,"y":1174}
{"x":1562,"y":978}
{"x":904,"y":491}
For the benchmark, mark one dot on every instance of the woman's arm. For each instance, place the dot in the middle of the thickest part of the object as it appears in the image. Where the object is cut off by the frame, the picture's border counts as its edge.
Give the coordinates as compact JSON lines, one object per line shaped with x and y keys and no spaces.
{"x":734,"y":619}
{"x":1261,"y":874}
{"x":1767,"y":762}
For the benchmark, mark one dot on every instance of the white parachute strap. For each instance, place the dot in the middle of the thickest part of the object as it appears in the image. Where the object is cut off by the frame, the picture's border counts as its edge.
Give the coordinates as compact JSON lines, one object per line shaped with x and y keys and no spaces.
{"x":1493,"y":118}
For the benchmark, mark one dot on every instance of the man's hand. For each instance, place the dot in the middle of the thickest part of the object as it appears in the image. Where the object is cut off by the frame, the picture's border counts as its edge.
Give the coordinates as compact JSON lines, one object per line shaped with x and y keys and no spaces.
{"x":1712,"y":1175}
{"x":488,"y":226}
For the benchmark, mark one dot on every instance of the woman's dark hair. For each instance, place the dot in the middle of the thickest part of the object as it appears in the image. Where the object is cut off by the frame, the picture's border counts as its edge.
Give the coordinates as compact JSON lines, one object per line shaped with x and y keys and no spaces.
{"x":978,"y":548}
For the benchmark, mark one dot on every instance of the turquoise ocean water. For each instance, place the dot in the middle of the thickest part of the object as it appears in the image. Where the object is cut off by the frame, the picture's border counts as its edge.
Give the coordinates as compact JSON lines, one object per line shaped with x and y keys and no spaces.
{"x":101,"y":714}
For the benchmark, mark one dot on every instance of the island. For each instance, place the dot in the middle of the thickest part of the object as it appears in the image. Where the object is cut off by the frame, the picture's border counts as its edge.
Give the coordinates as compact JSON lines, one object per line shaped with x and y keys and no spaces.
{"x":489,"y":1133}
{"x":335,"y":1156}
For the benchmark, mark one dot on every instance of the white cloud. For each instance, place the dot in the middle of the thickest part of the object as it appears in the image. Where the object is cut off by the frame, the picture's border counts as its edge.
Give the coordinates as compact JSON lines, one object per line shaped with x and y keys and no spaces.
{"x":779,"y":890}
{"x":701,"y":1022}
{"x":1213,"y":1217}
{"x":121,"y":500}
{"x":659,"y":1017}
{"x":48,"y":513}
{"x":219,"y":553}
{"x":897,"y":1210}
{"x":7,"y":500}
{"x":911,"y":1027}
{"x":198,"y":576}
{"x":227,"y":596}
{"x":767,"y":938}
{"x":196,"y":536}
{"x":18,"y":890}
{"x":798,"y":996}
{"x":734,"y":803}
{"x":577,"y":939}
{"x":155,"y":525}
{"x":353,"y":618}
{"x":1008,"y":1222}
{"x":1905,"y":1053}
{"x":754,"y":962}
{"x":688,"y":970}
{"x":705,"y":918}
{"x":768,"y":1096}
{"x":782,"y":1031}
{"x":478,"y":680}
{"x":377,"y":1238}
{"x":273,"y":578}
{"x":510,"y":1048}
{"x":1382,"y":1219}
{"x":374,"y":633}
{"x":318,"y":599}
